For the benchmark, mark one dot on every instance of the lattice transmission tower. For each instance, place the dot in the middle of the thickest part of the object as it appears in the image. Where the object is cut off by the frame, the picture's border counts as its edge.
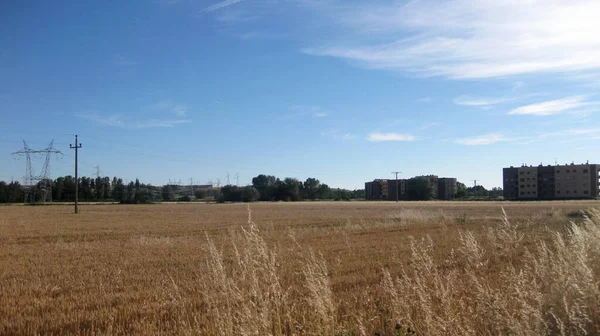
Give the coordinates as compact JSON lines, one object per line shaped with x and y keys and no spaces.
{"x":43,"y":181}
{"x":28,"y":178}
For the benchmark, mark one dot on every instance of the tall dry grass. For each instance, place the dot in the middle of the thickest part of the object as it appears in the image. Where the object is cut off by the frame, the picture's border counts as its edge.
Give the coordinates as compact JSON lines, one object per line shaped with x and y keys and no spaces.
{"x":491,"y":284}
{"x":396,"y":272}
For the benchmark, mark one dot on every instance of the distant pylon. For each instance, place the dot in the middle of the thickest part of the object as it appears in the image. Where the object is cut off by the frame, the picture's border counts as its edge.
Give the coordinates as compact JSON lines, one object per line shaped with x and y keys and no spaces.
{"x":28,"y":179}
{"x":44,"y":177}
{"x":97,"y":171}
{"x":43,"y":180}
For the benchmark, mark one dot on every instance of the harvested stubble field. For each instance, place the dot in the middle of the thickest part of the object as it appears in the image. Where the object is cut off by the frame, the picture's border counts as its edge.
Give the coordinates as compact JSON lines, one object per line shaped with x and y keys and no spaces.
{"x":356,"y":268}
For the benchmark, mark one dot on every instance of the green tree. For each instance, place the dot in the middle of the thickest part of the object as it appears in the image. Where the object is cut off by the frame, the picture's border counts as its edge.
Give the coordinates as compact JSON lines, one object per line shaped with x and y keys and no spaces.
{"x":16,"y":192}
{"x":200,"y":194}
{"x":118,"y":190}
{"x":167,"y":193}
{"x":419,"y":189}
{"x":250,"y":194}
{"x":324,"y":192}
{"x":231,"y":193}
{"x":3,"y":192}
{"x":289,"y":190}
{"x":266,"y":186}
{"x":310,"y":188}
{"x":461,"y":190}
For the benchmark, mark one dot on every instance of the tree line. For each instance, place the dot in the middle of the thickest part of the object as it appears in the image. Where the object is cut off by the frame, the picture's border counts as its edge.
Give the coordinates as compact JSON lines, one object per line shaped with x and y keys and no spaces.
{"x":105,"y":189}
{"x":98,"y":189}
{"x":269,"y":188}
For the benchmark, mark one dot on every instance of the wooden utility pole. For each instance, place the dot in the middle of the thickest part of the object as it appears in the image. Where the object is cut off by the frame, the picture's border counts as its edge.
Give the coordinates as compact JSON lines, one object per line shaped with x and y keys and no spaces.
{"x":76,"y":147}
{"x":397,"y":186}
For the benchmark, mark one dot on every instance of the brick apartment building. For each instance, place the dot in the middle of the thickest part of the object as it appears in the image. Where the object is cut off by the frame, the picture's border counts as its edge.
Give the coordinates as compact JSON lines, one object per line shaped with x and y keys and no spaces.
{"x":569,"y":181}
{"x":377,"y":190}
{"x":381,"y":190}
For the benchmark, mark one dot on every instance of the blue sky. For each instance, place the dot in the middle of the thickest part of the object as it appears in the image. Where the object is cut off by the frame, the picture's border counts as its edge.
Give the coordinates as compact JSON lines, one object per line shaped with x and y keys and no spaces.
{"x":344,"y":91}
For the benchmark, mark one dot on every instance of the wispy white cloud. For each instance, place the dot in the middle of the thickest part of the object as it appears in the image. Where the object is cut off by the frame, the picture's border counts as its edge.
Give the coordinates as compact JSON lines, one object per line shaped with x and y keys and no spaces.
{"x":480,"y":102}
{"x":338,"y":135}
{"x":116,"y":120}
{"x":220,"y":5}
{"x":517,"y":85}
{"x":428,"y":125}
{"x":314,"y":111}
{"x":552,"y":107}
{"x":156,"y":123}
{"x":381,"y":137}
{"x":568,"y":135}
{"x":486,"y":139}
{"x":112,"y":120}
{"x":424,"y":100}
{"x":470,"y":38}
{"x":168,"y":106}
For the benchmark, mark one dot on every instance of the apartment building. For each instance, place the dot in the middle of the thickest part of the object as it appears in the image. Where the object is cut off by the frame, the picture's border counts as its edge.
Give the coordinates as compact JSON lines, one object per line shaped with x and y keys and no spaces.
{"x":443,"y":188}
{"x":570,"y":181}
{"x":397,"y":187}
{"x":446,"y":188}
{"x":377,"y":190}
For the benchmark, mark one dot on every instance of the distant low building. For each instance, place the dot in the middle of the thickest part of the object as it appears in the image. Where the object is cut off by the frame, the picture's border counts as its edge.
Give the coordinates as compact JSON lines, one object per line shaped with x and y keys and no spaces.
{"x":390,"y":189}
{"x":570,"y":181}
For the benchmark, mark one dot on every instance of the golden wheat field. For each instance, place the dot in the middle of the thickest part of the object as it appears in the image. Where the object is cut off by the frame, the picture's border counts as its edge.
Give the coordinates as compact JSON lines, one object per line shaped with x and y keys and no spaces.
{"x":322,"y":268}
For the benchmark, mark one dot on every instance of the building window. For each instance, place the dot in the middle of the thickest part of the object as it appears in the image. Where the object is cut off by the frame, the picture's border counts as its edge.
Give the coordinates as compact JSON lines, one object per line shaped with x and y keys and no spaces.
{"x":558,"y":192}
{"x":522,"y":193}
{"x":522,"y":186}
{"x":522,"y":173}
{"x":529,"y":186}
{"x":585,"y":170}
{"x":522,"y":180}
{"x":568,"y":192}
{"x":558,"y":171}
{"x":528,"y":173}
{"x":586,"y":192}
{"x":574,"y":170}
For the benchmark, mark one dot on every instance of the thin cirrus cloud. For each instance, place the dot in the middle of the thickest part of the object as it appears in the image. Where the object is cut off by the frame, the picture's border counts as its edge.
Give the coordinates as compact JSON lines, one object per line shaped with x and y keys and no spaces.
{"x":337,"y":135}
{"x":170,"y":107}
{"x":553,"y":107}
{"x":486,"y":139}
{"x":116,"y":120}
{"x":156,"y":123}
{"x":471,"y":39}
{"x":383,"y":137}
{"x":220,"y":5}
{"x":480,"y":102}
{"x":112,"y":120}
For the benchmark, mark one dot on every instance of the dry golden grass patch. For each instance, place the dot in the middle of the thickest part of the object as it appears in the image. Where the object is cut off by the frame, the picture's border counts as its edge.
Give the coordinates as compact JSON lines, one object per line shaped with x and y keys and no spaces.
{"x":354,"y":268}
